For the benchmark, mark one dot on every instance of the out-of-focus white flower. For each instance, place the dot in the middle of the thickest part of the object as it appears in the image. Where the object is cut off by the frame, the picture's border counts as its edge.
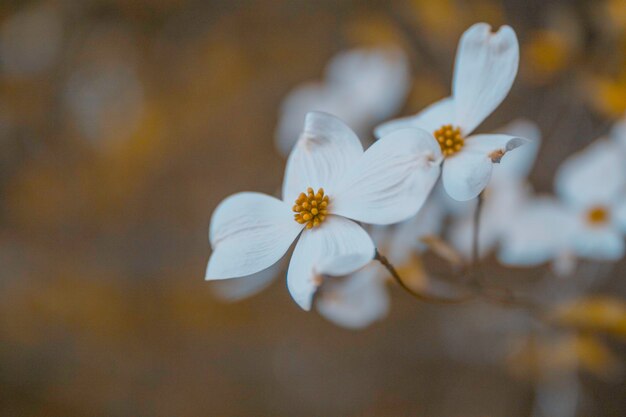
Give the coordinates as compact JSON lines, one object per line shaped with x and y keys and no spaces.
{"x":388,"y":183}
{"x":586,"y":221}
{"x":591,"y":183}
{"x":30,"y":40}
{"x":486,"y":65}
{"x":504,"y":196}
{"x":357,"y":300}
{"x":540,"y":233}
{"x":361,"y":86}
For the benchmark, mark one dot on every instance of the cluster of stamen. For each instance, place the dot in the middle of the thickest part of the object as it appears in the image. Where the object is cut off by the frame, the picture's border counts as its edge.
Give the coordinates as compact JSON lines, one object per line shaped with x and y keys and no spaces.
{"x":598,"y":215}
{"x":450,"y":139}
{"x":311,"y":208}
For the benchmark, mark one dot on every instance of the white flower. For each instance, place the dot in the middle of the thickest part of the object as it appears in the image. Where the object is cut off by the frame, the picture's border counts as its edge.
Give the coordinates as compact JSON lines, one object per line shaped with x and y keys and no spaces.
{"x":591,"y":184}
{"x":362,"y":87}
{"x":588,"y":219}
{"x":486,"y":65}
{"x":328,"y":180}
{"x":504,"y":197}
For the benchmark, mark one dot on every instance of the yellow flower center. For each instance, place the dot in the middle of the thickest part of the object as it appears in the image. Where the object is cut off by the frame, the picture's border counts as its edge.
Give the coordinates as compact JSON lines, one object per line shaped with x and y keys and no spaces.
{"x":450,"y":139}
{"x":311,"y":208}
{"x":598,"y":215}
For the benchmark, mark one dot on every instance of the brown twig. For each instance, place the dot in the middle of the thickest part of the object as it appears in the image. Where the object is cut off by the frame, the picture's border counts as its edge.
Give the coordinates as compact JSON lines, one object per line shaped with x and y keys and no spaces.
{"x":420,"y":296}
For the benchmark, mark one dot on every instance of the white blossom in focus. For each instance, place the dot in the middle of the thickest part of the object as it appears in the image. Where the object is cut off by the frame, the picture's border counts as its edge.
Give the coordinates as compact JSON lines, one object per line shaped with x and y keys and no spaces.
{"x":485,"y":68}
{"x":329,"y":184}
{"x":361,"y":86}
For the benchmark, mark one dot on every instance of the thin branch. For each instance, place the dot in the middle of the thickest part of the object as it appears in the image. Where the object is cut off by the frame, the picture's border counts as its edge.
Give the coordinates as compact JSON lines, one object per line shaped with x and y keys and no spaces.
{"x":475,"y":236}
{"x":418,"y":295}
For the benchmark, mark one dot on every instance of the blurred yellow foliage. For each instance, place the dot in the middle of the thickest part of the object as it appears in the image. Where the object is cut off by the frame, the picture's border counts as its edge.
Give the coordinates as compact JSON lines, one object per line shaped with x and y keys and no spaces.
{"x":546,"y":357}
{"x":373,"y":30}
{"x":598,"y":313}
{"x":608,"y":94}
{"x":546,"y":54}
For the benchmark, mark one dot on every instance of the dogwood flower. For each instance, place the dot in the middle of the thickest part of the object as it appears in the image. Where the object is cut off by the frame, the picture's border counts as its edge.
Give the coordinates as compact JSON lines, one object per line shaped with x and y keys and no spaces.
{"x":505,"y":195}
{"x":486,"y":65}
{"x":362,"y":87}
{"x":328,"y":180}
{"x":587,"y":220}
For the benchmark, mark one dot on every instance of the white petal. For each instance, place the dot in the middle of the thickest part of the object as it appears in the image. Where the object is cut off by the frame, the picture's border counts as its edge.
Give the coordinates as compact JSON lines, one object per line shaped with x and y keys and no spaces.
{"x":429,"y":119}
{"x":541,"y":231}
{"x":308,"y":97}
{"x":618,"y":133}
{"x":357,"y":301}
{"x":392,"y":179}
{"x":377,"y":79}
{"x":593,"y":176}
{"x":619,"y":214}
{"x":602,"y":244}
{"x":405,"y":238}
{"x":485,"y":68}
{"x":462,"y":236}
{"x":338,"y":247}
{"x":249,"y":232}
{"x":468,"y":172}
{"x":519,"y":163}
{"x":236,"y":289}
{"x":326,"y":148}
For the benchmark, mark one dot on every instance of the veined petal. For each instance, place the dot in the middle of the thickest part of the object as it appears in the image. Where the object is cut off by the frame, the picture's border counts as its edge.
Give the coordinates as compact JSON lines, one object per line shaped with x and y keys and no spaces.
{"x":593,"y":176}
{"x":326,"y":148}
{"x":249,"y":232}
{"x":429,"y":119}
{"x":485,"y":68}
{"x":392,"y":179}
{"x":356,"y":301}
{"x":338,"y":247}
{"x":468,"y":172}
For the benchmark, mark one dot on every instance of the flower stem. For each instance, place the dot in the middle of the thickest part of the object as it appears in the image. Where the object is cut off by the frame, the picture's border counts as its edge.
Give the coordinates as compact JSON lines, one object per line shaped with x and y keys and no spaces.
{"x":475,"y":236}
{"x":418,"y":295}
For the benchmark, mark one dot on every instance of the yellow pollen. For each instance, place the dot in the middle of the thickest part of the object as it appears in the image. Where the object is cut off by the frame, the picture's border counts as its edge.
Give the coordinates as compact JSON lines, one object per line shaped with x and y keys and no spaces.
{"x":450,"y":139}
{"x":311,"y":208}
{"x":598,"y":215}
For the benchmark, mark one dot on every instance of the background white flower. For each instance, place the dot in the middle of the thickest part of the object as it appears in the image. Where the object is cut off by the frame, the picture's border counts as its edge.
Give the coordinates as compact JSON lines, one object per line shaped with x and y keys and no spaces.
{"x":486,"y":65}
{"x":358,"y":300}
{"x":388,"y":183}
{"x":587,"y":220}
{"x":592,"y":183}
{"x":361,"y":87}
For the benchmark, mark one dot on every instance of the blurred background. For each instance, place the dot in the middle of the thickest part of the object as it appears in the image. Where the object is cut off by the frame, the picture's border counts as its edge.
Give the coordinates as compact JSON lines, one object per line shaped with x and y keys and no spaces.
{"x":123,"y":123}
